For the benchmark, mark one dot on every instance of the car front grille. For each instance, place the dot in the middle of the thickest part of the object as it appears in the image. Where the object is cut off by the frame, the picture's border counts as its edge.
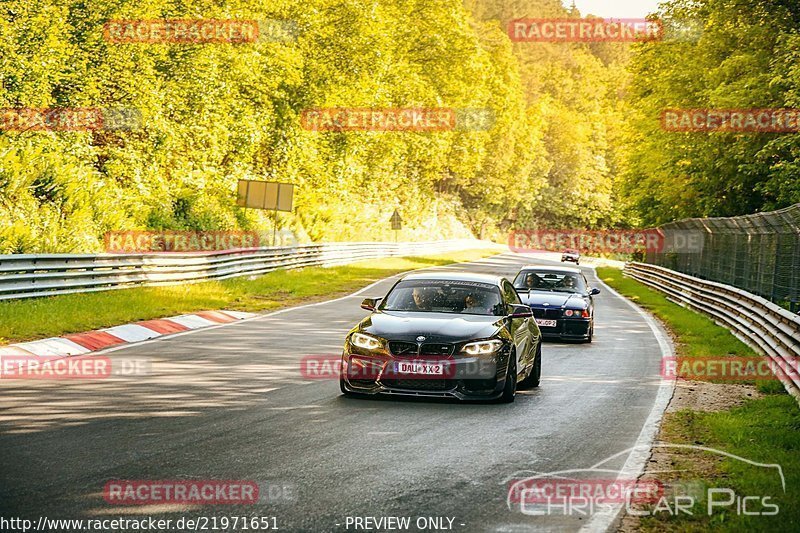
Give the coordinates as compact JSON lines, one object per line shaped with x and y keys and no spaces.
{"x":402,"y":348}
{"x":436,"y":349}
{"x":419,"y":384}
{"x":550,"y":314}
{"x":408,"y":349}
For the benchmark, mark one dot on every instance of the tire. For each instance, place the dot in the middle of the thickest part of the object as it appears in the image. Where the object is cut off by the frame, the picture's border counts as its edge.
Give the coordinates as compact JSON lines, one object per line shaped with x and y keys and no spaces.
{"x":510,"y":390}
{"x":591,"y":334}
{"x":533,"y":379}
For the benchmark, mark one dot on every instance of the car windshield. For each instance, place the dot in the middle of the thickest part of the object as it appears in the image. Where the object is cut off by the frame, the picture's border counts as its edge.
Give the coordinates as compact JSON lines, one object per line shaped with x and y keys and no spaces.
{"x":550,"y":281}
{"x":442,"y":296}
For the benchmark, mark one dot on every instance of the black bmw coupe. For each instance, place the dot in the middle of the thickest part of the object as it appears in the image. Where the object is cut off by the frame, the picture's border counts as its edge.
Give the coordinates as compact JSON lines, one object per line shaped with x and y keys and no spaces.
{"x":444,"y":334}
{"x":561,"y":300}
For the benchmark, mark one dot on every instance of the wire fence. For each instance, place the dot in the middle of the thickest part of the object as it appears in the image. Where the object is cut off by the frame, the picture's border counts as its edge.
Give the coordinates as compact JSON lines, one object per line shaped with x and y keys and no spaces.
{"x":758,"y":253}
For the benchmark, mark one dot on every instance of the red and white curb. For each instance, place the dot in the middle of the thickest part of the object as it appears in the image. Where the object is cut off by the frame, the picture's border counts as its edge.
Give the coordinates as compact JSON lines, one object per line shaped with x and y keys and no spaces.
{"x":93,"y":341}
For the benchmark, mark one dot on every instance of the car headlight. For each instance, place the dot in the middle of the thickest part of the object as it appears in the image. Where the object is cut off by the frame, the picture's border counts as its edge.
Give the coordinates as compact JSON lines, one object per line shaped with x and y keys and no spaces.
{"x":569,"y":312}
{"x":367,"y":342}
{"x":482,"y":347}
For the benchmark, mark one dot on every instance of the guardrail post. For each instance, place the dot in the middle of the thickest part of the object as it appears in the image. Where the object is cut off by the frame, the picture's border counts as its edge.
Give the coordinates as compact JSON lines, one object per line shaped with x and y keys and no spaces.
{"x":775,"y":269}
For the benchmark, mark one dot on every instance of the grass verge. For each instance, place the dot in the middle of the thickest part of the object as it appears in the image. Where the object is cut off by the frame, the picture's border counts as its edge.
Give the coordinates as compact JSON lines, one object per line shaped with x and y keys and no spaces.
{"x":22,"y":320}
{"x":764,"y":430}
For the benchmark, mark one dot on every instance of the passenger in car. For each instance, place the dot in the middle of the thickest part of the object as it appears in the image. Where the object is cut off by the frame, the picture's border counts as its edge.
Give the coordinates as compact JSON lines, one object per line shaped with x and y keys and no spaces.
{"x":532,"y":281}
{"x":474,"y":305}
{"x":568,"y":282}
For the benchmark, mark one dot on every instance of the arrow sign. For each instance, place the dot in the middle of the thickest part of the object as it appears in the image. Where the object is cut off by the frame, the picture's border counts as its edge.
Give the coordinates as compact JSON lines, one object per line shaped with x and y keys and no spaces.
{"x":397,"y":222}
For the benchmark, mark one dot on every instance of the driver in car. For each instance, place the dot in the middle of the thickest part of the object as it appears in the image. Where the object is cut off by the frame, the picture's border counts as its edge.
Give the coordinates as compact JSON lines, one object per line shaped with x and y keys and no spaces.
{"x":422,"y":301}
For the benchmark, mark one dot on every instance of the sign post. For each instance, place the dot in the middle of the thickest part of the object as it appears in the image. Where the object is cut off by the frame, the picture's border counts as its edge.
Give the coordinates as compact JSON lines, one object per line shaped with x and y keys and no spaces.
{"x":397,"y":223}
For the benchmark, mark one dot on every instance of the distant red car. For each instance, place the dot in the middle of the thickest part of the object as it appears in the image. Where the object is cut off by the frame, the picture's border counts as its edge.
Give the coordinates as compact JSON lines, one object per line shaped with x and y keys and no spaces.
{"x":571,"y":255}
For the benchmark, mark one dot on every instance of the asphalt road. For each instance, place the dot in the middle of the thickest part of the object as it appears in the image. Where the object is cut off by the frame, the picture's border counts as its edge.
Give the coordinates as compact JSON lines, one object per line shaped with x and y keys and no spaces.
{"x":229,"y":403}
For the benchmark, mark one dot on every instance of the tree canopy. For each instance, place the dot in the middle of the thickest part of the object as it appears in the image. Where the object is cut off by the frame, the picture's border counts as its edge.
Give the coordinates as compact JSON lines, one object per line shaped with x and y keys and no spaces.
{"x":575,"y":140}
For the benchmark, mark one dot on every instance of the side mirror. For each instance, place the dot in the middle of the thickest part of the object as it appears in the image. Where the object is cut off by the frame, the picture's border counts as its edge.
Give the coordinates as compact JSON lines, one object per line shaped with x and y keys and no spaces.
{"x":520,"y":311}
{"x":370,"y":304}
{"x":593,"y":292}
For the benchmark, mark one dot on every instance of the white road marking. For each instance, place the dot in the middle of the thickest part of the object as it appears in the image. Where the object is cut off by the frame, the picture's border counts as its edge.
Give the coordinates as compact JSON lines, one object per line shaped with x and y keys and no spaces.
{"x":634,"y":467}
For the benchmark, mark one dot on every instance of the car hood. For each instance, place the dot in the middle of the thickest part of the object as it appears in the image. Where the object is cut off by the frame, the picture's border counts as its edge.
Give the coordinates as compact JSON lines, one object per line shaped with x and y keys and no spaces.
{"x":552,"y":299}
{"x":437,"y":327}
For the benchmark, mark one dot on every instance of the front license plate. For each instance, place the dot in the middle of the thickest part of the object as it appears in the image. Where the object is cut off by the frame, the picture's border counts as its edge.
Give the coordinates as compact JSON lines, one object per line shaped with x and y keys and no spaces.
{"x":425,"y":369}
{"x":546,"y":323}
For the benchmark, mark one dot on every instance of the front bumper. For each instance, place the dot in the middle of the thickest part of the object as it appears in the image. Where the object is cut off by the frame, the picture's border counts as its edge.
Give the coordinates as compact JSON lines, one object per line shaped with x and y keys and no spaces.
{"x":568,"y":329}
{"x":467,"y":378}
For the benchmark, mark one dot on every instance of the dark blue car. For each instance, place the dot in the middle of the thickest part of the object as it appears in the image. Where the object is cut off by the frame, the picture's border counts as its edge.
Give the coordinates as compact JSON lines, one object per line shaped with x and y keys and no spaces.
{"x":561,"y":300}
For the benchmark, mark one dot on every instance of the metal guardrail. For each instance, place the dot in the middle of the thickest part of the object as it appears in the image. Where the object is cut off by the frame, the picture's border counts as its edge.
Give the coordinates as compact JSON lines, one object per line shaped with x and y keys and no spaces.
{"x":766,"y":327}
{"x":30,"y":276}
